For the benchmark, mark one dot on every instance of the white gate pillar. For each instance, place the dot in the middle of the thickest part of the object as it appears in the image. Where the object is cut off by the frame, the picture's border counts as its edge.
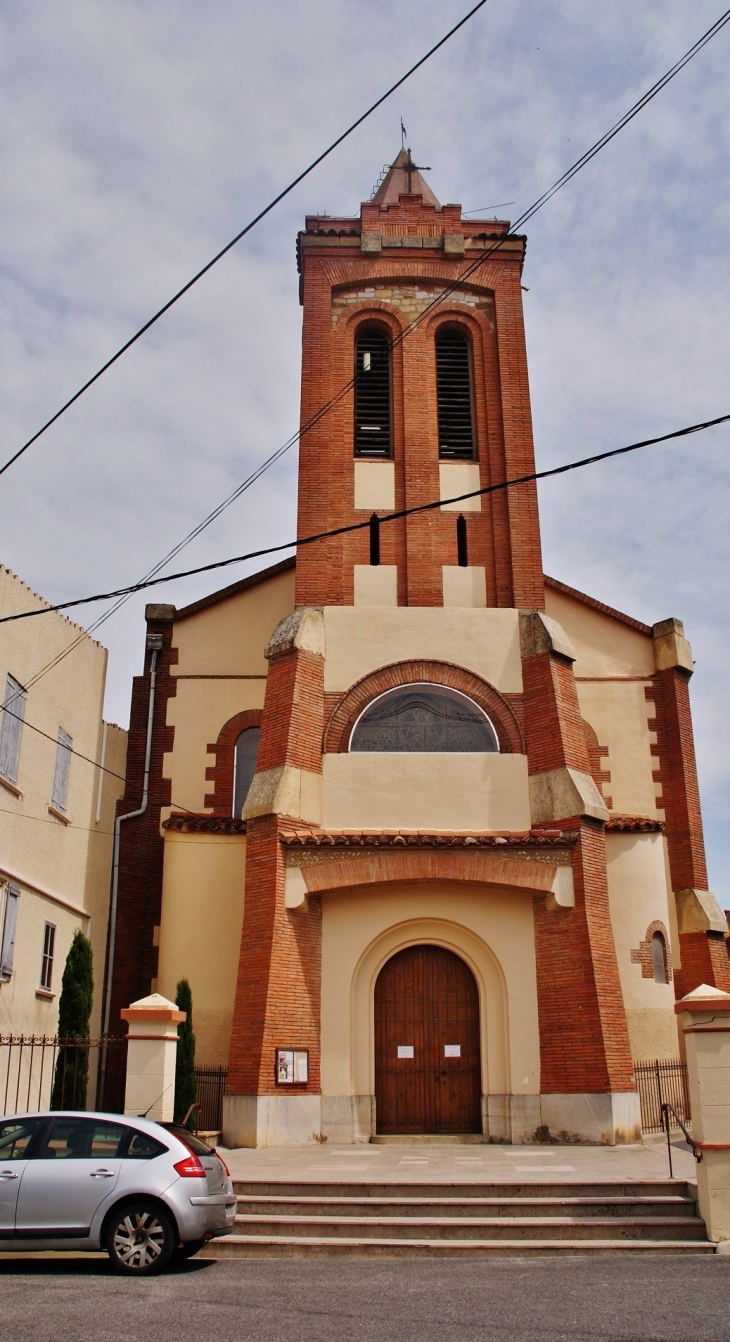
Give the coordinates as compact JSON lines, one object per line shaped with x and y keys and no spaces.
{"x":704,"y":1018}
{"x":151,"y":1057}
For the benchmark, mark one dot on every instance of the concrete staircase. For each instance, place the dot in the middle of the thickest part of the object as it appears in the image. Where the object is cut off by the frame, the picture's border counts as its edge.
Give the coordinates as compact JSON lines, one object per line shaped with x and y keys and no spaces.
{"x":287,"y":1220}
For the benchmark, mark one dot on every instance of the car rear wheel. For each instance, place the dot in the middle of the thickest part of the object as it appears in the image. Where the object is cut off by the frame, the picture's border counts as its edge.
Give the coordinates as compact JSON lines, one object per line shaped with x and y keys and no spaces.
{"x":140,"y":1239}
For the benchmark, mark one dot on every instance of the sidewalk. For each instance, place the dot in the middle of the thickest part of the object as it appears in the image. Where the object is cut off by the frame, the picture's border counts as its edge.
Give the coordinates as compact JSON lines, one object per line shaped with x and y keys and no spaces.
{"x":453,"y":1163}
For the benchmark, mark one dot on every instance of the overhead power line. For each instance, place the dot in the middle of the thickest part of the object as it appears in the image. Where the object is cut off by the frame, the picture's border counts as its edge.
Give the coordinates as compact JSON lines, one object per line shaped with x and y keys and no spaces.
{"x":241,"y":234}
{"x":386,"y":517}
{"x":338,"y":396}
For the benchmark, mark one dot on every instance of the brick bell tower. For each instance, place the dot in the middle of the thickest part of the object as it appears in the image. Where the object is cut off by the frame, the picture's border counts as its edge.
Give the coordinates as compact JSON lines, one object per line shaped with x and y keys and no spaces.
{"x":423,"y":400}
{"x":440,"y":405}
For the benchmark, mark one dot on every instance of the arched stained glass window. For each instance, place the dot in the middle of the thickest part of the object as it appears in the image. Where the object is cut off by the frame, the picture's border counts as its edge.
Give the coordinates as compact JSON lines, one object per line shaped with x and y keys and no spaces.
{"x":659,"y":958}
{"x":372,"y":393}
{"x":423,"y":717}
{"x":244,"y":766}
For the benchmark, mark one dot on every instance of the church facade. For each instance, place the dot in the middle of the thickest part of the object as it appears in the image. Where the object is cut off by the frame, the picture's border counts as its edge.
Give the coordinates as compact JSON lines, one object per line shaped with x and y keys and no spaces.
{"x":422,"y":824}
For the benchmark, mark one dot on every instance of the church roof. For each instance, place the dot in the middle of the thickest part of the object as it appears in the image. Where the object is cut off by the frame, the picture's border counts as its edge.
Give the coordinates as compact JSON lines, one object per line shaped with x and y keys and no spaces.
{"x":242,"y":585}
{"x":403,"y":178}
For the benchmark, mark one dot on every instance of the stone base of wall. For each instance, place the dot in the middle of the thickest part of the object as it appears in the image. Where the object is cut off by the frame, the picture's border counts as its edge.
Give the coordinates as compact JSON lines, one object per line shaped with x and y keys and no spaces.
{"x":296,"y":1120}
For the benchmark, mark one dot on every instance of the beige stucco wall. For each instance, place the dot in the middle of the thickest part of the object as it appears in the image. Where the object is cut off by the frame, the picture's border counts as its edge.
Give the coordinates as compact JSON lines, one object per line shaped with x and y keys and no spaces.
{"x":604,"y":646}
{"x":425,"y":791}
{"x":61,"y":866}
{"x":359,"y":640}
{"x":222,"y":649}
{"x":619,"y":712}
{"x":638,"y":895}
{"x":492,"y":930}
{"x":200,"y":931}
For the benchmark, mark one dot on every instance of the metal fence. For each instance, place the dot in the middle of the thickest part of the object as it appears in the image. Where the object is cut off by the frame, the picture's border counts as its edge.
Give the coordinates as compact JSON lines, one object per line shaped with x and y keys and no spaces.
{"x":40,"y":1072}
{"x":661,"y":1081}
{"x":211,"y":1089}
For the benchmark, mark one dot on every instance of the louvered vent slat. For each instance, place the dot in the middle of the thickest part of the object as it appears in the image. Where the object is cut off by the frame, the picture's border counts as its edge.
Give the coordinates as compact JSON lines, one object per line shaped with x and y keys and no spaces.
{"x":453,"y":387}
{"x":372,"y":395}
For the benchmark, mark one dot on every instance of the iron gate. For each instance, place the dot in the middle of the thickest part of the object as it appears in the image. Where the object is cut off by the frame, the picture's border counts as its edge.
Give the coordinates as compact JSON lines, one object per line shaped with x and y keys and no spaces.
{"x":661,"y":1081}
{"x":39,"y":1072}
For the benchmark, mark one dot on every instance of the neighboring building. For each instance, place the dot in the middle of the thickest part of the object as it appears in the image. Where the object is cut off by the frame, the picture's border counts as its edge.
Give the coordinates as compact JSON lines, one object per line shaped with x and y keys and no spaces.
{"x":424,"y":829}
{"x":56,"y":807}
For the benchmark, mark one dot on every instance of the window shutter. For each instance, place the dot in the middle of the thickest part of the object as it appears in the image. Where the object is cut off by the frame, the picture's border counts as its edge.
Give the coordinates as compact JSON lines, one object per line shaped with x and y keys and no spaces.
{"x":9,"y":925}
{"x":11,"y":728}
{"x":372,"y":394}
{"x":453,"y":387}
{"x":63,"y":764}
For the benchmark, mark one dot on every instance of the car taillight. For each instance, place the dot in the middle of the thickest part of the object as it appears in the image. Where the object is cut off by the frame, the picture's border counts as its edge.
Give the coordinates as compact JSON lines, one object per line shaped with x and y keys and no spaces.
{"x":190,"y":1167}
{"x":223,"y":1163}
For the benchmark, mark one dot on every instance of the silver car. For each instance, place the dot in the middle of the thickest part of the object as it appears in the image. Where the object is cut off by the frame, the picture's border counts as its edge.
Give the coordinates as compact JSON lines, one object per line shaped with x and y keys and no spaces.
{"x":145,"y":1192}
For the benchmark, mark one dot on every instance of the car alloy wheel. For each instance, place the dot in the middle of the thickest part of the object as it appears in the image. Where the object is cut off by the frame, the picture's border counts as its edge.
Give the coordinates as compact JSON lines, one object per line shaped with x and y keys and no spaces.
{"x":140,"y":1239}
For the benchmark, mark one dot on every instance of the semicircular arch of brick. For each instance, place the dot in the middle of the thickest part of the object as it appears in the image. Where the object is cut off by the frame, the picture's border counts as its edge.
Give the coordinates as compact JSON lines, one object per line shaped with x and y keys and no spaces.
{"x":408,"y":866}
{"x":495,"y":705}
{"x":220,"y":774}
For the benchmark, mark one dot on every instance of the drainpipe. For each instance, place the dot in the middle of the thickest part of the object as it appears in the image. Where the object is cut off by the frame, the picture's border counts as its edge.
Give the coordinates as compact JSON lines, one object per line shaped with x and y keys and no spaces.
{"x":155,"y":644}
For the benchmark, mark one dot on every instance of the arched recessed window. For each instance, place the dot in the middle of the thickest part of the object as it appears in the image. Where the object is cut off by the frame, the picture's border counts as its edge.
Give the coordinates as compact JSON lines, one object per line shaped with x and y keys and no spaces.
{"x":244,"y":766}
{"x":423,"y":718}
{"x":372,"y":393}
{"x":659,"y":958}
{"x":454,"y":396}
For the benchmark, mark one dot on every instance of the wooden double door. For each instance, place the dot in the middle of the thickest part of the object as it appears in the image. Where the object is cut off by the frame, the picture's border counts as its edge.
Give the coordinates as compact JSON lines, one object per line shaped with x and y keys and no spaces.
{"x":427,"y":1055}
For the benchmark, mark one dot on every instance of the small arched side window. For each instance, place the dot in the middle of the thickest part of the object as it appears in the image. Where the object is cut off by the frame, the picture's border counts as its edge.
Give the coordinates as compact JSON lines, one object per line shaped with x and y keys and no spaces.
{"x":454,"y":396}
{"x":659,"y":958}
{"x":373,"y":437}
{"x":423,"y":718}
{"x":244,"y":766}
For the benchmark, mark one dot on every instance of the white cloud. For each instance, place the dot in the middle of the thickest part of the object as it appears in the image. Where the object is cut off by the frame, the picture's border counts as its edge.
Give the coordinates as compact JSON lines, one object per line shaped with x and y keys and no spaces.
{"x":136,"y":138}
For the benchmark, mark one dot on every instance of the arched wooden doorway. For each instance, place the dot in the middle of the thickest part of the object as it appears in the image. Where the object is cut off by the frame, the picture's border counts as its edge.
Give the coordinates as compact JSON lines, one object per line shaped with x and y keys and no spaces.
{"x":427,"y":1056}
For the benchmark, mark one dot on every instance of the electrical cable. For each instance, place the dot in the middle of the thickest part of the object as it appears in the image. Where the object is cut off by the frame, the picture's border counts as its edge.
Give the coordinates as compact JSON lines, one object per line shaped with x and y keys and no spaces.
{"x":241,"y":234}
{"x":338,"y":396}
{"x":386,"y":517}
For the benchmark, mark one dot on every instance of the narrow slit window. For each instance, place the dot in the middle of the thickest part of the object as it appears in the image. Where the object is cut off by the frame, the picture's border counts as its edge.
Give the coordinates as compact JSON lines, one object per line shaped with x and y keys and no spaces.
{"x":372,"y":394}
{"x":49,"y":946}
{"x":59,"y":796}
{"x":11,"y":728}
{"x":454,"y":396}
{"x":659,"y":958}
{"x":244,"y":766}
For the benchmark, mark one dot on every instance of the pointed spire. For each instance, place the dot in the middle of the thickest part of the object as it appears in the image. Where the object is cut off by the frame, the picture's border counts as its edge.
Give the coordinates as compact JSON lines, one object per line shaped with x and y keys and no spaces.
{"x":404,"y":179}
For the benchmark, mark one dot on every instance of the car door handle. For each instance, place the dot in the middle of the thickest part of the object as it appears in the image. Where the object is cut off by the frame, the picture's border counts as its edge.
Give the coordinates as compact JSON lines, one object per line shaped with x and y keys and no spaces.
{"x":8,"y":1174}
{"x":101,"y":1174}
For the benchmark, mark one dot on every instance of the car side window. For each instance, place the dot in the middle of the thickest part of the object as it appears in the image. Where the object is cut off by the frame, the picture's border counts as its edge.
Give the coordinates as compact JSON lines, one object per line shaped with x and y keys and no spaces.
{"x":83,"y":1139}
{"x":15,"y":1137}
{"x":143,"y":1147}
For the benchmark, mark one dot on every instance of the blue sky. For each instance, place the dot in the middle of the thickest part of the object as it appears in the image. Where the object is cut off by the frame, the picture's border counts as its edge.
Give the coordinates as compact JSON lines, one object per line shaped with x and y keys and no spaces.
{"x":136,"y":138}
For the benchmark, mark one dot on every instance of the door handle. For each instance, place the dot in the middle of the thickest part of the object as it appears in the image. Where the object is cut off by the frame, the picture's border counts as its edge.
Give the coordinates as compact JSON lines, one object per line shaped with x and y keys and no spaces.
{"x":101,"y":1174}
{"x":8,"y":1174}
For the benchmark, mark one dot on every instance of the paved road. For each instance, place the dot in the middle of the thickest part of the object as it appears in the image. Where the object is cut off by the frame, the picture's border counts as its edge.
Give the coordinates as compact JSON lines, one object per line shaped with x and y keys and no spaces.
{"x":508,"y":1300}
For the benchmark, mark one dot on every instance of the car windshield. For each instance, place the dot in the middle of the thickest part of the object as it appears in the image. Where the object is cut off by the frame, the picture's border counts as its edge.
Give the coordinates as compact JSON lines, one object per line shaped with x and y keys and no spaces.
{"x":188,"y":1138}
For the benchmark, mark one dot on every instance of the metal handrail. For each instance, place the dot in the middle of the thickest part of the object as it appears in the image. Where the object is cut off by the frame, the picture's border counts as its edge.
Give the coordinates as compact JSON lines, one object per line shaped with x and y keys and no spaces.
{"x":696,"y":1152}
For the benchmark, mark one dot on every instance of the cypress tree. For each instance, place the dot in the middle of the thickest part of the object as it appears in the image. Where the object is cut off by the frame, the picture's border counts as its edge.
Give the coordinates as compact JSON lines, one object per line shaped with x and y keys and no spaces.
{"x":186,"y":1082}
{"x":74,"y":1013}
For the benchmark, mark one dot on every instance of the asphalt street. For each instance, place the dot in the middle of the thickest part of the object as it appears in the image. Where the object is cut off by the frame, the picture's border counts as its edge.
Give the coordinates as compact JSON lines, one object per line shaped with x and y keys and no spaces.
{"x":668,"y":1299}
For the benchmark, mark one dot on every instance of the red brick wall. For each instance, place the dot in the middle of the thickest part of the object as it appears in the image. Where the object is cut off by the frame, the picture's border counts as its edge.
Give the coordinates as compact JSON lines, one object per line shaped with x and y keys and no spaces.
{"x":584,"y":1042}
{"x":293,"y":719}
{"x":553,"y":722}
{"x":140,"y":855}
{"x":504,"y":537}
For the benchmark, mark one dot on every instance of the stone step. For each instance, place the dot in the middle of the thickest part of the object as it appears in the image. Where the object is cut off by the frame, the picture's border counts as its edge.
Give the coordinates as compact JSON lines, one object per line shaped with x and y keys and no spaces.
{"x":674,"y":1206}
{"x":473,"y":1228}
{"x":281,"y":1246}
{"x":467,"y":1191}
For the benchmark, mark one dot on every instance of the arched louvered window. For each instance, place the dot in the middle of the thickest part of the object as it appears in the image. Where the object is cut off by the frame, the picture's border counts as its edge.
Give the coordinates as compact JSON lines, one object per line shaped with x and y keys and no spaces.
{"x":454,"y":396}
{"x":372,"y":393}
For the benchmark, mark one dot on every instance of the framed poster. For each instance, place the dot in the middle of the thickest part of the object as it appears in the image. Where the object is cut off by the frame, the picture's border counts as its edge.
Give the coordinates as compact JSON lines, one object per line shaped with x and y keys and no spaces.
{"x":452,"y":1050}
{"x":292,"y":1066}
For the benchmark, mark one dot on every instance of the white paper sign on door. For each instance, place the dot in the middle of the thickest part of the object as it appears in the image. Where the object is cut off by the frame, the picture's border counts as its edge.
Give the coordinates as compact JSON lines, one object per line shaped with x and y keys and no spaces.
{"x":405,"y":1050}
{"x":452,"y":1050}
